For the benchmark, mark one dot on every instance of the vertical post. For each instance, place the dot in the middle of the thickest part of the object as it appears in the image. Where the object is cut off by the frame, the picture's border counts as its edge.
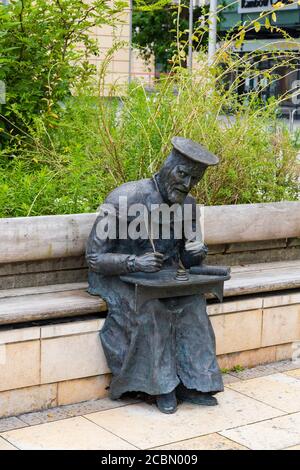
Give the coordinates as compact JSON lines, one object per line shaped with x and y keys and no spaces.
{"x":190,"y":56}
{"x":130,"y":42}
{"x":212,"y":36}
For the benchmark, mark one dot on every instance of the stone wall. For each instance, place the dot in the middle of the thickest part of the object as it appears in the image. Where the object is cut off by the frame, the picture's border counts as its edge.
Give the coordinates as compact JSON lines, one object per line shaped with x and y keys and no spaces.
{"x":46,"y":365}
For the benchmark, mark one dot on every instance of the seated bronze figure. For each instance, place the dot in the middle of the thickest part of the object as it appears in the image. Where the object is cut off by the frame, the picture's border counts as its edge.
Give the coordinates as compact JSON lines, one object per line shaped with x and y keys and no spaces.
{"x":164,"y":347}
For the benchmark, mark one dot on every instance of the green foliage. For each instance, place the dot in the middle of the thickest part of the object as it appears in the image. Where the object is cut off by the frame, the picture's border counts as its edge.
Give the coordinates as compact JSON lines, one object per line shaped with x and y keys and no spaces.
{"x":57,"y":171}
{"x":155,"y":29}
{"x":100,"y":143}
{"x":40,"y":58}
{"x":70,"y":150}
{"x":238,"y":368}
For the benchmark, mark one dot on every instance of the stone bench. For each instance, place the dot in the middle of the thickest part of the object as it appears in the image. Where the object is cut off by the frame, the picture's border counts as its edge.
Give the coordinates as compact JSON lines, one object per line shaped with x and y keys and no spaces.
{"x":50,"y":352}
{"x":71,"y":300}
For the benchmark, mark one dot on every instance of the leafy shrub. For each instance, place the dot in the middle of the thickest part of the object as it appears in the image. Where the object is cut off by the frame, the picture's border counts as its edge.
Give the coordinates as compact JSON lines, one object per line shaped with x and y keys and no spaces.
{"x":97,"y":143}
{"x":44,"y":51}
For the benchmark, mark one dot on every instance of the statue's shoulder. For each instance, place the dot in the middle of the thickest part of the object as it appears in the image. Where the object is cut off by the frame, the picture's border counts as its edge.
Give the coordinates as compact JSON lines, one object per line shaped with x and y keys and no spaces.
{"x":134,"y":191}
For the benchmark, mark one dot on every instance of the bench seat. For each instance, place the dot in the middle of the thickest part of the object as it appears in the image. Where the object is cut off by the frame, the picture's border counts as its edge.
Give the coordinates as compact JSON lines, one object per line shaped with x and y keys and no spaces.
{"x":47,"y":303}
{"x":71,"y":300}
{"x":263,"y":277}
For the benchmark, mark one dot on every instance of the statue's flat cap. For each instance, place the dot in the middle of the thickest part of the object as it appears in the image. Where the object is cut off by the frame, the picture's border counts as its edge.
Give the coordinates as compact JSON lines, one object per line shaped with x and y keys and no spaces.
{"x":194,"y":151}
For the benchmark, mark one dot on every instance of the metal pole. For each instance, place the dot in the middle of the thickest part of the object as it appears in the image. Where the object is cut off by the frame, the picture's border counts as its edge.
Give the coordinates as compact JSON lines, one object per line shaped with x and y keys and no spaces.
{"x":212,"y":36}
{"x":130,"y":42}
{"x":191,"y":14}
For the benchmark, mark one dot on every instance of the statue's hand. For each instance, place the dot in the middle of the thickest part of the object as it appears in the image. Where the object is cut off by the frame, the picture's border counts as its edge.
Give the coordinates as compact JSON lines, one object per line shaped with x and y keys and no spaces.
{"x":94,"y":261}
{"x":196,"y":248}
{"x":149,"y":263}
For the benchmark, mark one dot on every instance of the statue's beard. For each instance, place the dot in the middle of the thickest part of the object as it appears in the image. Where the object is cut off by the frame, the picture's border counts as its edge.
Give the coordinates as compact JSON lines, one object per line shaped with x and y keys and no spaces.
{"x":176,"y":195}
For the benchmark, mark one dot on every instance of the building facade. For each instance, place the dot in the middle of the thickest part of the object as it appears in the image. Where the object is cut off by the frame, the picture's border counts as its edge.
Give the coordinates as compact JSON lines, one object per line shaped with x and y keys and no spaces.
{"x":118,"y":67}
{"x":287,"y":19}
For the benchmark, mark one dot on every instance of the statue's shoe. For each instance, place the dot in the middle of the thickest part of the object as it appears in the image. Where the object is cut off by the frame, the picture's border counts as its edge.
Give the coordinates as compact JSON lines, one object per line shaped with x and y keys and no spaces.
{"x":193,"y":396}
{"x":167,"y":402}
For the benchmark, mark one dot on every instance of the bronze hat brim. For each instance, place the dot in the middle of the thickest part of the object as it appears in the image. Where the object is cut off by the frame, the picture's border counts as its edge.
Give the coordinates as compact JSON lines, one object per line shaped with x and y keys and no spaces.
{"x":194,"y":151}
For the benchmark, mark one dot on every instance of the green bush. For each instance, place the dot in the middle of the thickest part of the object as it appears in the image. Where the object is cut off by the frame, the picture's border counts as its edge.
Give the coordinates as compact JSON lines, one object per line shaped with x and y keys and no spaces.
{"x":44,"y":51}
{"x":96,"y":143}
{"x":100,"y":143}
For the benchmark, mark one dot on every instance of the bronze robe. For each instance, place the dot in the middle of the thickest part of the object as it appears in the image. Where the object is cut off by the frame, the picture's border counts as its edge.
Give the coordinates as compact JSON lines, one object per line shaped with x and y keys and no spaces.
{"x":167,"y":341}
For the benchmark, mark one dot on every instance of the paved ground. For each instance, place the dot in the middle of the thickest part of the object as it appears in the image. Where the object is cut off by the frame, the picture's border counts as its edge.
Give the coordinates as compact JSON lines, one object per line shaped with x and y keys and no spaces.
{"x":260,"y":409}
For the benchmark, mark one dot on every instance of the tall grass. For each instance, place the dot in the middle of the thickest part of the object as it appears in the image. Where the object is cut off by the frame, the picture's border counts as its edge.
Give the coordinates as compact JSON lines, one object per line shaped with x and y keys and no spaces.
{"x":101,"y":142}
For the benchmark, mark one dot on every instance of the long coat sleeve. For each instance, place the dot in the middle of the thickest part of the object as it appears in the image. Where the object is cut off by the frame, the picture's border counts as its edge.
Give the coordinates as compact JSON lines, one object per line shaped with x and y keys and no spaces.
{"x":101,"y":254}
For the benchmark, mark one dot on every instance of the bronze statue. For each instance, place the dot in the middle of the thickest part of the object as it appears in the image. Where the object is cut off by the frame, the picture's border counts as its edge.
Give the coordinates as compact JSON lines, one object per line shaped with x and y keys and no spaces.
{"x":164,"y":346}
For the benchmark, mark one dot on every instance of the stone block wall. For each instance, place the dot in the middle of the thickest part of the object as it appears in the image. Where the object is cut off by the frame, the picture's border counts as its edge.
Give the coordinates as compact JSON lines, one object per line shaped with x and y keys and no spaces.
{"x":46,"y":365}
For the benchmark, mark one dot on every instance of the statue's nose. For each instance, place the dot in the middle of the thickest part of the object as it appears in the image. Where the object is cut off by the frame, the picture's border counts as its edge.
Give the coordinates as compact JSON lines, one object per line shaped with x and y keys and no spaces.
{"x":187,"y":182}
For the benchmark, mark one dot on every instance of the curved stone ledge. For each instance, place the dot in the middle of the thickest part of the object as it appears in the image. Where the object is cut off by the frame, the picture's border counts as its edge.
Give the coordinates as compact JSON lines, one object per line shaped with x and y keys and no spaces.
{"x":48,"y":237}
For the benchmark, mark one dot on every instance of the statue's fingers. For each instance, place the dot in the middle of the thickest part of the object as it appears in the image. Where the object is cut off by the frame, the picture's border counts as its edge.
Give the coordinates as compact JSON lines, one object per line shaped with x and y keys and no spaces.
{"x":153,"y":269}
{"x":198,"y":253}
{"x":157,"y":265}
{"x":195,"y":252}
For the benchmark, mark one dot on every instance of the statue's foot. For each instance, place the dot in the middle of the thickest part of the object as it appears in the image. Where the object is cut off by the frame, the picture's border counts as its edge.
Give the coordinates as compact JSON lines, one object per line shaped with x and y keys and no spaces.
{"x":193,"y":396}
{"x":167,"y":402}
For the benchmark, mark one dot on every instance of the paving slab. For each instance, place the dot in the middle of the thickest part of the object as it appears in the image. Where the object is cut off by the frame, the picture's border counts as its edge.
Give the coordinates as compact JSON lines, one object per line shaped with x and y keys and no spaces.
{"x":144,"y":426}
{"x":4,"y":445}
{"x":69,"y":411}
{"x":293,"y":448}
{"x":73,"y":433}
{"x":278,"y":390}
{"x":6,"y":424}
{"x":228,"y":379}
{"x":250,"y":415}
{"x":272,"y":434}
{"x":252,"y":373}
{"x":209,"y":442}
{"x":294,"y":373}
{"x":282,"y":366}
{"x":265,"y":369}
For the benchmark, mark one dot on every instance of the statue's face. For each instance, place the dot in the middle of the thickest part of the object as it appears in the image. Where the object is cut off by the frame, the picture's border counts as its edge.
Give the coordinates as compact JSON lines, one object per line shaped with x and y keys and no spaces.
{"x":181,"y":179}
